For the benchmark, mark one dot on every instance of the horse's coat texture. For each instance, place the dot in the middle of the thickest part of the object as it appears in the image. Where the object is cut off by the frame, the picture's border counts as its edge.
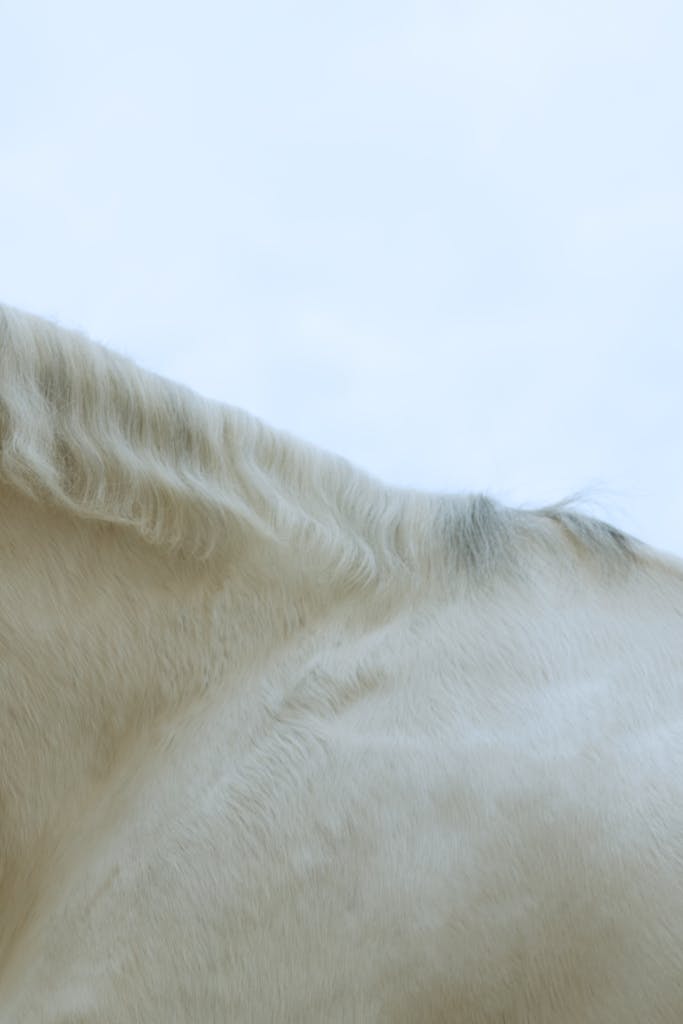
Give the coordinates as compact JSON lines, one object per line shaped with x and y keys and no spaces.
{"x":281,"y":744}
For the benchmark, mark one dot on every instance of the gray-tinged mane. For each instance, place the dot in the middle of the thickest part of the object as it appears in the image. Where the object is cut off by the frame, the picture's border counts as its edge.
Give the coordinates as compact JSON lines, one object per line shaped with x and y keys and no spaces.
{"x":89,"y":432}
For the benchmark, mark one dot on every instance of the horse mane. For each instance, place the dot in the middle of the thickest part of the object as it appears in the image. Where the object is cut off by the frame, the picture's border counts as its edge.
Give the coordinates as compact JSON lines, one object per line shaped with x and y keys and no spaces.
{"x":92,"y":434}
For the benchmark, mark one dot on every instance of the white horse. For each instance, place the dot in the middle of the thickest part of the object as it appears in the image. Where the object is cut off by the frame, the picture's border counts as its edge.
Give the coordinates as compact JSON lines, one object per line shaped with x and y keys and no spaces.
{"x":281,"y":744}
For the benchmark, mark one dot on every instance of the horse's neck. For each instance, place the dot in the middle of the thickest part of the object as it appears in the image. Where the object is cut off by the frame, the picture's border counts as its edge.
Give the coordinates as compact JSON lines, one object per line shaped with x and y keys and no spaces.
{"x":103,"y":635}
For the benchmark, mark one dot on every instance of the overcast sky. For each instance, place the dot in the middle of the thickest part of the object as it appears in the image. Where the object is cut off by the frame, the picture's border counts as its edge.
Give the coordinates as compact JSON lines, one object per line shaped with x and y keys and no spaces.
{"x":442,"y":239}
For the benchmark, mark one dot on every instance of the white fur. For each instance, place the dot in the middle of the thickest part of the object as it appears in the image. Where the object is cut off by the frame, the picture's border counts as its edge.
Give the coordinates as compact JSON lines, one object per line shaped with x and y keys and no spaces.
{"x":279,"y":743}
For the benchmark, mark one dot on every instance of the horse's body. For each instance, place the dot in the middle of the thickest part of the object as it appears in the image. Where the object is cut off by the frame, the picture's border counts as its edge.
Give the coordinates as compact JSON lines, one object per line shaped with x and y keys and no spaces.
{"x":278,"y":743}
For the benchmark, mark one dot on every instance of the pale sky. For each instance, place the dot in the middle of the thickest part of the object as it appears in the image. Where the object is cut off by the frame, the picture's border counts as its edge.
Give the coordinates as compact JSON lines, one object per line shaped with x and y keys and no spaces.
{"x":442,"y":239}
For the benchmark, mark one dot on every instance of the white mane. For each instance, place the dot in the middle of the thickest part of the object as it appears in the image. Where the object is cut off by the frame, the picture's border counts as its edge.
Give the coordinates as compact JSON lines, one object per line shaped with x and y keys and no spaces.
{"x":92,"y":433}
